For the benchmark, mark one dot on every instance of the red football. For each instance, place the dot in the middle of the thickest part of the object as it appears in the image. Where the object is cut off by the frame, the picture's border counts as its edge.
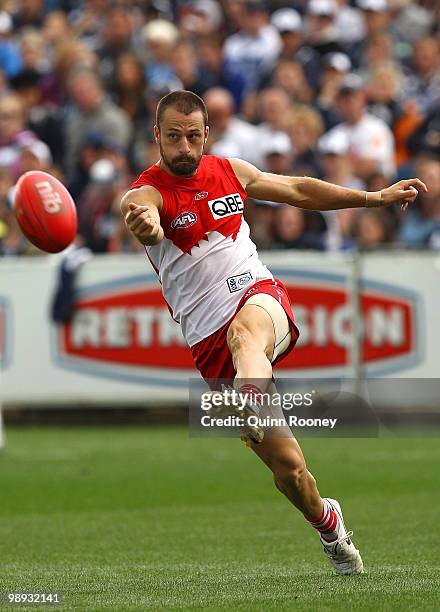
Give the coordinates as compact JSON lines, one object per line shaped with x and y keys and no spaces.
{"x":45,"y":211}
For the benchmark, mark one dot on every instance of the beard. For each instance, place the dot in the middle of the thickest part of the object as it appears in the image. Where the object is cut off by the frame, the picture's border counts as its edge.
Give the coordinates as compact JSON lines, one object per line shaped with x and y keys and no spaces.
{"x":183,"y":165}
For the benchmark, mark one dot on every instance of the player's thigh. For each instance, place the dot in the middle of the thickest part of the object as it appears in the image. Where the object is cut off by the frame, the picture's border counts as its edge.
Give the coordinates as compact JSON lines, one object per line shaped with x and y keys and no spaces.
{"x":256,"y":324}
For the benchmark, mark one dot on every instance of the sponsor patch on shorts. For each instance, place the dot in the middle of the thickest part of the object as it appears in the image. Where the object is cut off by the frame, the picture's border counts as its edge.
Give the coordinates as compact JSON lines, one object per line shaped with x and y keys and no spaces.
{"x":236,"y":283}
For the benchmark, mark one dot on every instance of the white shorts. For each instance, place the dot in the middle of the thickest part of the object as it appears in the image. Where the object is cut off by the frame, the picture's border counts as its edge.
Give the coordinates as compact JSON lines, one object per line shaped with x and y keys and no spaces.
{"x":279,"y":318}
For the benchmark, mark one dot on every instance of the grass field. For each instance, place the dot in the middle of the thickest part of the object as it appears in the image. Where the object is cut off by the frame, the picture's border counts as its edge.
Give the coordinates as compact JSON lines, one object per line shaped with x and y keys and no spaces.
{"x":149,"y":519}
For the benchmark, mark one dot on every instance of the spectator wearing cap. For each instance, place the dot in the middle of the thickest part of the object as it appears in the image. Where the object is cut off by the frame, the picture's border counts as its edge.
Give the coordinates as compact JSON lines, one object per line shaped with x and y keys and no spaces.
{"x":371,"y":141}
{"x":304,"y":126}
{"x":420,"y":227}
{"x":335,"y":67}
{"x":201,"y":18}
{"x":229,"y":135}
{"x":290,"y":26}
{"x":10,"y":58}
{"x":253,"y":50}
{"x":321,"y":34}
{"x":91,"y":110}
{"x":337,"y":169}
{"x":422,"y":85}
{"x":278,"y":154}
{"x":349,"y":23}
{"x":160,"y":37}
{"x":377,"y":18}
{"x":412,"y":21}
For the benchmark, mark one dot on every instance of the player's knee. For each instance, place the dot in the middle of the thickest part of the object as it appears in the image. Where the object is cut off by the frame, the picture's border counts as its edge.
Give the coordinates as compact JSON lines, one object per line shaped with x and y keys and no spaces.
{"x":291,"y":476}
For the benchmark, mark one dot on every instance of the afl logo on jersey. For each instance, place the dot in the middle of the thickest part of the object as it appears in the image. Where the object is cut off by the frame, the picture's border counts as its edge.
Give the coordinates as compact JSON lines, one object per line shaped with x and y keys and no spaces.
{"x":226,"y":205}
{"x":184,"y":220}
{"x":201,"y":195}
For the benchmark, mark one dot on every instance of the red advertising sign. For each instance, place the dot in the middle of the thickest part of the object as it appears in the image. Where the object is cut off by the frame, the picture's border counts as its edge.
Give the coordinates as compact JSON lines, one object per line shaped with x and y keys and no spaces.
{"x":131,"y":326}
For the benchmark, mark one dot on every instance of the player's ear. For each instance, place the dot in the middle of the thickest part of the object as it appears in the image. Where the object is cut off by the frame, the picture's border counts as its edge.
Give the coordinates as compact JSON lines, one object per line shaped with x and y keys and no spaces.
{"x":156,"y":134}
{"x":206,"y":134}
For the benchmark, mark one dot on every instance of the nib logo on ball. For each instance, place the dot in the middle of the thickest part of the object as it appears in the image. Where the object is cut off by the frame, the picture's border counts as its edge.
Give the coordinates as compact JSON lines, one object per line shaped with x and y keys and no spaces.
{"x":45,"y":211}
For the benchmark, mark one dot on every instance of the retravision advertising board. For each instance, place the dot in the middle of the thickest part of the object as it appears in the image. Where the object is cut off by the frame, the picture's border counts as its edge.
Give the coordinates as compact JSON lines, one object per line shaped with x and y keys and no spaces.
{"x":122,"y":346}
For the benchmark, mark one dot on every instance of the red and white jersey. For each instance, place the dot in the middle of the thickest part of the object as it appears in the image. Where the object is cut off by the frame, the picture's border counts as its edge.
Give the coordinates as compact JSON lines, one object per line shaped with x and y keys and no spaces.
{"x":206,"y":260}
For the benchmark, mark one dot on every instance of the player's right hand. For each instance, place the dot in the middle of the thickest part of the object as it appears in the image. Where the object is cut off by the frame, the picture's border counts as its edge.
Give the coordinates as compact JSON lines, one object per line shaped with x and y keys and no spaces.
{"x":143,"y":224}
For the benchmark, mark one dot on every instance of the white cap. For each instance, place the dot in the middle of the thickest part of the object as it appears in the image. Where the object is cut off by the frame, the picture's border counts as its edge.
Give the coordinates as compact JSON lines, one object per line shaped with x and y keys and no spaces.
{"x":103,"y":171}
{"x":378,"y":6}
{"x":5,"y":22}
{"x":160,"y":30}
{"x":287,"y":20}
{"x":334,"y":143}
{"x":277,"y":144}
{"x":324,"y":8}
{"x":211,"y":9}
{"x":338,"y":61}
{"x":39,"y":150}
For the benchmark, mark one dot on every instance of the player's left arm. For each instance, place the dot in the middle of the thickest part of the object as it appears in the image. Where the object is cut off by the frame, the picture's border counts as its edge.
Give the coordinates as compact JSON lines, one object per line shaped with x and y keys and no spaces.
{"x":314,"y":194}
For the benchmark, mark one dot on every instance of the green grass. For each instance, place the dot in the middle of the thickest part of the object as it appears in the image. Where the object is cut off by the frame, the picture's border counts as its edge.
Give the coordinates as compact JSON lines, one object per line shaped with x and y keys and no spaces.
{"x":149,"y":519}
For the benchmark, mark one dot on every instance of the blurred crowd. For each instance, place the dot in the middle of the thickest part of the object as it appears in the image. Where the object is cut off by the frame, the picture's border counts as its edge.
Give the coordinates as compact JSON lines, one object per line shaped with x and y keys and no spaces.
{"x":343,"y":90}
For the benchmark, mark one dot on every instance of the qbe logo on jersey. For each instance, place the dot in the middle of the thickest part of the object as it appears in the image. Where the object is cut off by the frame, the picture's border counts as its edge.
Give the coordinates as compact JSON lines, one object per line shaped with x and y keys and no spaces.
{"x":227,"y":205}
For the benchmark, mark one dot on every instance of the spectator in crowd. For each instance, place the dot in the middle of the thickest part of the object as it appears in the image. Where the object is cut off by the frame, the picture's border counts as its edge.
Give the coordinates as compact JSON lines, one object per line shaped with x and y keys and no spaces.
{"x":334,"y":69}
{"x":32,"y":50}
{"x":98,"y":221}
{"x":371,"y":140}
{"x":201,"y":18}
{"x":426,"y":138}
{"x":373,"y":229}
{"x":291,"y":230}
{"x":116,"y":40}
{"x":14,"y":135}
{"x":229,"y":135}
{"x":92,"y":110}
{"x":421,"y":226}
{"x":290,"y":76}
{"x":186,"y":68}
{"x":349,"y":23}
{"x":43,"y":118}
{"x":377,"y":18}
{"x":10,"y":58}
{"x":304,"y":126}
{"x":160,"y":37}
{"x":28,"y":13}
{"x":423,"y":84}
{"x":359,"y":77}
{"x":214,"y":72}
{"x":337,"y":169}
{"x":274,"y":104}
{"x":278,"y":154}
{"x":253,"y":50}
{"x":290,"y":26}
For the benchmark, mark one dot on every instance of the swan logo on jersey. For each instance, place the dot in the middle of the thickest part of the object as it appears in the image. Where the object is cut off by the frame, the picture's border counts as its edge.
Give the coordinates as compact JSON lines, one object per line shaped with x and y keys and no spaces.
{"x":201,"y":196}
{"x":184,"y":220}
{"x":225,"y":206}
